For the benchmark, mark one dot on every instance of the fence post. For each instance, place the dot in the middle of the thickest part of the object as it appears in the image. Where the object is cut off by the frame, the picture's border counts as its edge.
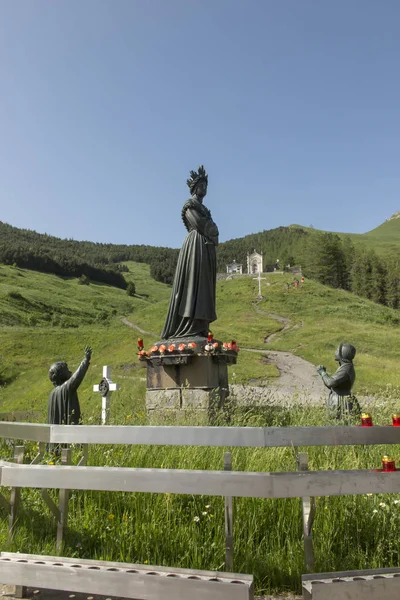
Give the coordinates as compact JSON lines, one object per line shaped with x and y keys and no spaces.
{"x":308,"y":507}
{"x":228,"y":519}
{"x":85,"y":454}
{"x":15,"y":498}
{"x":40,"y":454}
{"x":15,"y":494}
{"x":63,"y":501}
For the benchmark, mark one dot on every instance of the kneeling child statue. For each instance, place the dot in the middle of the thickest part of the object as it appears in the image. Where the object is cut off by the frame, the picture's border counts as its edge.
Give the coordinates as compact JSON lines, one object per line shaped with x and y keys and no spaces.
{"x":341,"y":402}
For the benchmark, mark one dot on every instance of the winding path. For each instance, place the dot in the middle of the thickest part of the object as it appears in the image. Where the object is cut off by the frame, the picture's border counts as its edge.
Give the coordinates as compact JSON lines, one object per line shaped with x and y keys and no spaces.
{"x":125,"y":321}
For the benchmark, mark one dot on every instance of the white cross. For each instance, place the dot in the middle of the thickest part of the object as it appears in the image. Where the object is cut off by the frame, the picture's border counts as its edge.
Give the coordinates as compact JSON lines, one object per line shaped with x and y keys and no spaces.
{"x":259,"y":278}
{"x":106,"y":387}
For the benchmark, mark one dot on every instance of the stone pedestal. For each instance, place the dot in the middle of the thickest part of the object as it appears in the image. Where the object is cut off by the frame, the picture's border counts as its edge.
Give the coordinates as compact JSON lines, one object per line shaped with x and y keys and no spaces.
{"x":178,"y":384}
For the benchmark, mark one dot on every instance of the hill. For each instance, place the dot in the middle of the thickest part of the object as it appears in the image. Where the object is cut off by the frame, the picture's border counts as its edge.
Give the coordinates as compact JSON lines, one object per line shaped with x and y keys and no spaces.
{"x":99,"y":262}
{"x":384,"y":239}
{"x":289,"y":243}
{"x":319,"y":318}
{"x":309,"y":322}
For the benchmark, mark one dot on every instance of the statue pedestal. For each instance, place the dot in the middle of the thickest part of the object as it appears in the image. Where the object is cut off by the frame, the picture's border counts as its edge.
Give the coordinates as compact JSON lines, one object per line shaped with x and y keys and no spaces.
{"x":196,"y":382}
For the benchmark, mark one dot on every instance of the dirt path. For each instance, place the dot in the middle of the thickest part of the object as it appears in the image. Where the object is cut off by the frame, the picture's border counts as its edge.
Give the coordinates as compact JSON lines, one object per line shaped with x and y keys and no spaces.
{"x":298,"y":381}
{"x":125,"y":321}
{"x":296,"y":375}
{"x":285,"y":322}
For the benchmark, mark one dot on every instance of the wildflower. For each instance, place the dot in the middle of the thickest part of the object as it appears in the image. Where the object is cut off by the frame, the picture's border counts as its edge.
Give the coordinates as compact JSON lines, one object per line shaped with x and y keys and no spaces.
{"x":145,"y":562}
{"x":207,"y":506}
{"x":196,"y":519}
{"x":212,"y":516}
{"x":50,"y":463}
{"x":204,"y":513}
{"x":124,"y":517}
{"x":374,"y":511}
{"x":396,"y":501}
{"x":382,"y":504}
{"x":326,"y":508}
{"x":369,"y":494}
{"x":111,"y":516}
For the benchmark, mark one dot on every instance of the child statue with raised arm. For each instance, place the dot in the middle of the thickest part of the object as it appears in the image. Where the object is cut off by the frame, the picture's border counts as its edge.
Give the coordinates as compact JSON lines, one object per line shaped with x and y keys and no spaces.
{"x":63,"y":404}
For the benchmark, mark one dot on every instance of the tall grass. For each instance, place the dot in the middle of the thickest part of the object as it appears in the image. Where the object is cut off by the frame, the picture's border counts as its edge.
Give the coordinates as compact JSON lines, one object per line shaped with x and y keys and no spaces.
{"x":350,"y":532}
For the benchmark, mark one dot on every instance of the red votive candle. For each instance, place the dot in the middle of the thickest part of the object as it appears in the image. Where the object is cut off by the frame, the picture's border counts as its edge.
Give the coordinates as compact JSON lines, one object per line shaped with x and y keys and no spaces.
{"x":140,"y":343}
{"x":210,"y":337}
{"x":396,"y":419}
{"x":366,"y":420}
{"x":388,"y":464}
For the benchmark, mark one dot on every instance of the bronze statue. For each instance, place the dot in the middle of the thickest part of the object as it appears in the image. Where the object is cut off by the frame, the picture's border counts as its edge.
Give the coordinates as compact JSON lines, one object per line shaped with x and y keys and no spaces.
{"x":192,"y":304}
{"x":63,"y":405}
{"x":341,"y":401}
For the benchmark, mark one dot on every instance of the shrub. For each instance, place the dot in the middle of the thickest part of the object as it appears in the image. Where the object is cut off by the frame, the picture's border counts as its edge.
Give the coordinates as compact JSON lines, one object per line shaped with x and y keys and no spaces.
{"x":83,"y":280}
{"x":15,"y":295}
{"x":131,"y":289}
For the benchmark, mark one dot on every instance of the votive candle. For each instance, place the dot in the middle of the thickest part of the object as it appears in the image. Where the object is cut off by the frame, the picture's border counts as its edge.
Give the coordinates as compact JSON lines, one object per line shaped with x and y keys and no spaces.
{"x":388,"y":464}
{"x":366,"y":420}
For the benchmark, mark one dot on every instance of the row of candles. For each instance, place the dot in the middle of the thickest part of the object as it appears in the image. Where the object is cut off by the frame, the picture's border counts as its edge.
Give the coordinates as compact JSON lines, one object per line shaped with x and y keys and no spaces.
{"x":366,"y":420}
{"x":388,"y":462}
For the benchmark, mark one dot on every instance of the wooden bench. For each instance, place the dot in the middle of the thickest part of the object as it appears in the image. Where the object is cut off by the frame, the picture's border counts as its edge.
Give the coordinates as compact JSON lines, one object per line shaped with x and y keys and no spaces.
{"x":371,"y":584}
{"x":142,"y":582}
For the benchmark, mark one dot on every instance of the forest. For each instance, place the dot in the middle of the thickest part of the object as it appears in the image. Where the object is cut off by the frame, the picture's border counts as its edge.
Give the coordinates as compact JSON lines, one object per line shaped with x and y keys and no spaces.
{"x":70,"y":258}
{"x":326,"y":257}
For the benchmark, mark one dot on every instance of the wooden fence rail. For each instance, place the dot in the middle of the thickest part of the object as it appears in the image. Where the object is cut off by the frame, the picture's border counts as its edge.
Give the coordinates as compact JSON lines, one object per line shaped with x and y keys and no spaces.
{"x":210,"y":483}
{"x":238,"y":437}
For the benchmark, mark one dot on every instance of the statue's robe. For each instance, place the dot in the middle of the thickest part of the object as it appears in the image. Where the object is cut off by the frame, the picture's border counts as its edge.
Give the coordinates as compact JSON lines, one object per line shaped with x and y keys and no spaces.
{"x":341,"y":402}
{"x":63,"y":404}
{"x":192,"y":304}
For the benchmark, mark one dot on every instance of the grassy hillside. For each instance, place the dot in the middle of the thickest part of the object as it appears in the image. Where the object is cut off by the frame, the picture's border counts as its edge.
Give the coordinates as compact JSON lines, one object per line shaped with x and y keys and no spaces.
{"x":44,"y":318}
{"x":320,"y":318}
{"x":289,"y":242}
{"x":129,"y":527}
{"x":384,"y":239}
{"x":32,"y":298}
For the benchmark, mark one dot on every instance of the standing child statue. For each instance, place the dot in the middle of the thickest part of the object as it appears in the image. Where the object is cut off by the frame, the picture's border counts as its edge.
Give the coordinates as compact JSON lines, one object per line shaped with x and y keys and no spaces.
{"x":341,"y":401}
{"x":63,"y":405}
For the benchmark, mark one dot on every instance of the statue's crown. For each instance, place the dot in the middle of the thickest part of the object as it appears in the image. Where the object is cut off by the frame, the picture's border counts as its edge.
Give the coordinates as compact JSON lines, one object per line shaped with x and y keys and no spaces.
{"x":196,"y":177}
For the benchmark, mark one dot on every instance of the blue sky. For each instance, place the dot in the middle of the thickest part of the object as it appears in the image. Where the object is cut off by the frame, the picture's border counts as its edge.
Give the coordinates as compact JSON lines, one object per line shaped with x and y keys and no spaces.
{"x":105,"y":106}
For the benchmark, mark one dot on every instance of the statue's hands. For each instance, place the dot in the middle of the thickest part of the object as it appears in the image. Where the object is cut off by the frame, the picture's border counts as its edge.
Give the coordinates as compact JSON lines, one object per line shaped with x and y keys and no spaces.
{"x":321,"y":369}
{"x":88,"y":352}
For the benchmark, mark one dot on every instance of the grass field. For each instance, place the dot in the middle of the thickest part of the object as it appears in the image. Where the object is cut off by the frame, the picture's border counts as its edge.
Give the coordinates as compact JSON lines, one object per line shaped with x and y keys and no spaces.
{"x":187,"y":531}
{"x":350,"y":532}
{"x":320,"y":318}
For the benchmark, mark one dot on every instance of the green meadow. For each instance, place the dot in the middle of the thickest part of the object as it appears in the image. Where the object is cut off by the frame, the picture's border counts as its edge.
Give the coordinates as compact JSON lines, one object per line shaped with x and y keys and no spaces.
{"x":44,"y":318}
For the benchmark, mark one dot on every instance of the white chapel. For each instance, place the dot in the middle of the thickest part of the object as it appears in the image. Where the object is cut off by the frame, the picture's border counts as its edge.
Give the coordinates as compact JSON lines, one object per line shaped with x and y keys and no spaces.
{"x":254,"y":262}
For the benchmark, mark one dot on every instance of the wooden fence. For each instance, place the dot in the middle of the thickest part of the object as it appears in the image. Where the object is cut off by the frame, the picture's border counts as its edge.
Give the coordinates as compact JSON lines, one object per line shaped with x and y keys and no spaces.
{"x":303,"y":483}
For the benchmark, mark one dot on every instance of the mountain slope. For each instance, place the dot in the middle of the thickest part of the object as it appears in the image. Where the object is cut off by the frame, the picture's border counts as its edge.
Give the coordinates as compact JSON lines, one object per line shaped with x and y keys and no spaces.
{"x":319,"y":318}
